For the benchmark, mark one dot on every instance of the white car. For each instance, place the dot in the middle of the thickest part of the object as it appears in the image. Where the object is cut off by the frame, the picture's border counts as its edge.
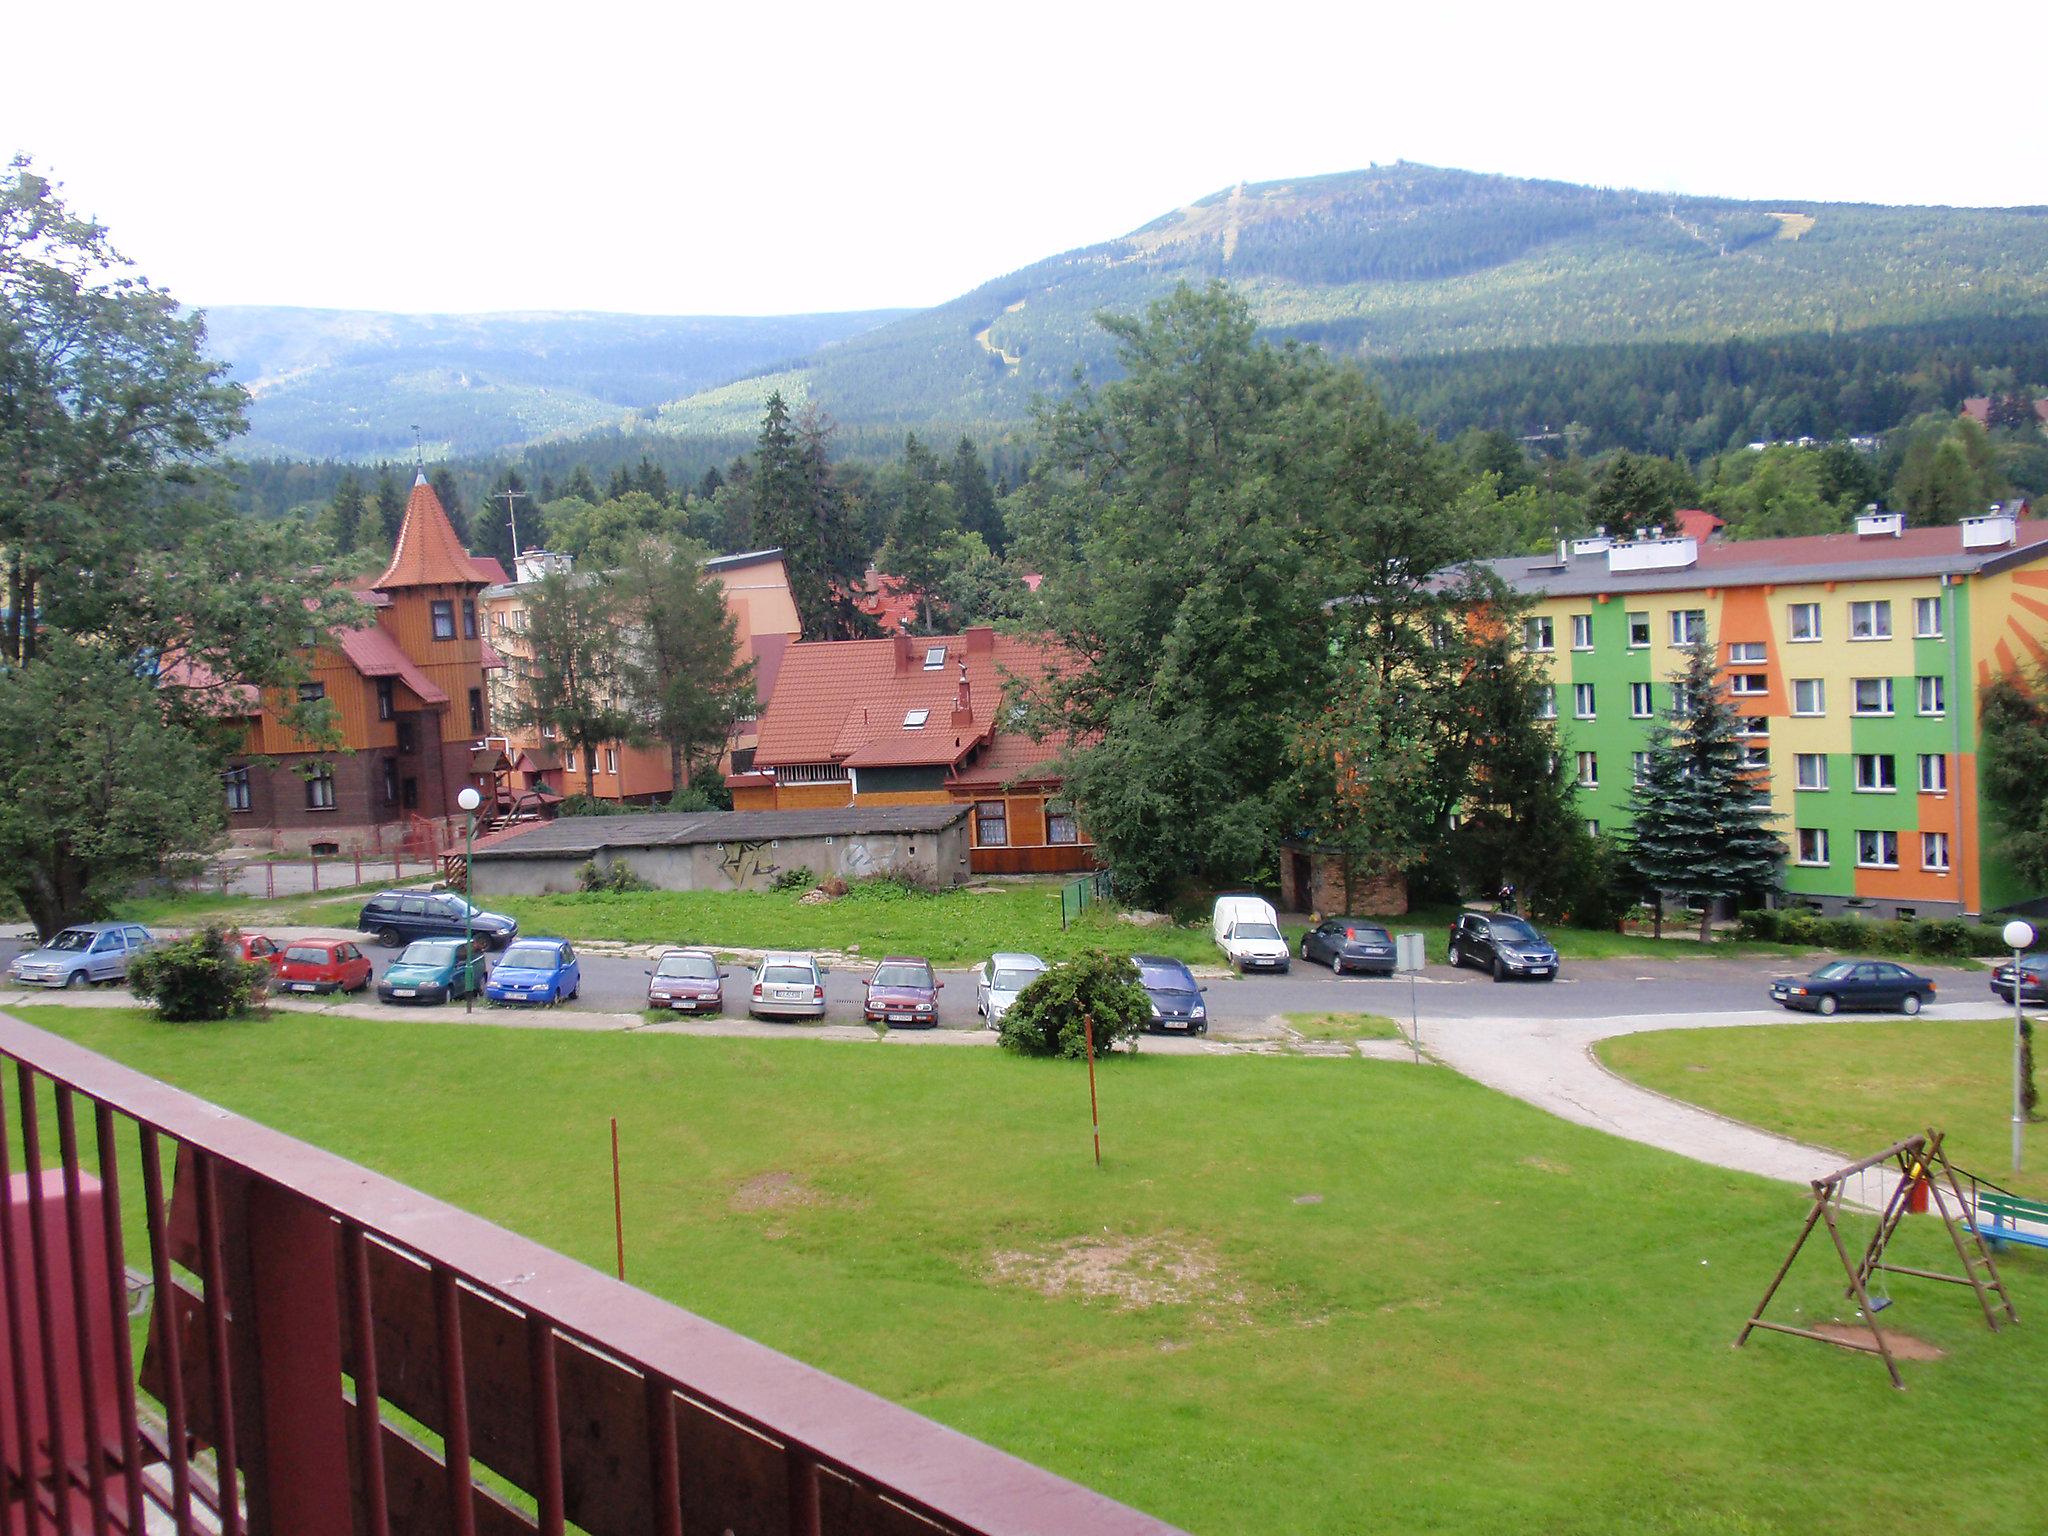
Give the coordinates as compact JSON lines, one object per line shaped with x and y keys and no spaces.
{"x":788,"y":986}
{"x":1247,"y":930}
{"x":998,"y":980}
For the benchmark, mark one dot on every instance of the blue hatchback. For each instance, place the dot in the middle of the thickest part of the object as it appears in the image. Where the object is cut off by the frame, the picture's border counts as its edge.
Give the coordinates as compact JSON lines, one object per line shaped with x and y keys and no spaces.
{"x":535,"y":971}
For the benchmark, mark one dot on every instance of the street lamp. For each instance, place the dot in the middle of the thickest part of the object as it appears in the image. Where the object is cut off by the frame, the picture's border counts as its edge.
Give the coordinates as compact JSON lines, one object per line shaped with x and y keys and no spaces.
{"x":2018,"y":935}
{"x":469,"y":800}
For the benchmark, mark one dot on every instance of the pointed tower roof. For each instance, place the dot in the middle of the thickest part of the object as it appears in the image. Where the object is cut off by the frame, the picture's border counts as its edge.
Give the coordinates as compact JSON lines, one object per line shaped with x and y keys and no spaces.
{"x":428,"y":553}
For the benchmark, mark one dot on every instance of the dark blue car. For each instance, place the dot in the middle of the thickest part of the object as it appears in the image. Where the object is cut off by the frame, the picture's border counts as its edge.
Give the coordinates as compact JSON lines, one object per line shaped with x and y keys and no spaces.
{"x":535,"y":971}
{"x":399,"y":917}
{"x":1177,"y":1006}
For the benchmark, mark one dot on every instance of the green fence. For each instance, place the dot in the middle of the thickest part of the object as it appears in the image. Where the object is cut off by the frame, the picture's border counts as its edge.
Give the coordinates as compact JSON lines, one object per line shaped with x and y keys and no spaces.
{"x":1077,"y":896}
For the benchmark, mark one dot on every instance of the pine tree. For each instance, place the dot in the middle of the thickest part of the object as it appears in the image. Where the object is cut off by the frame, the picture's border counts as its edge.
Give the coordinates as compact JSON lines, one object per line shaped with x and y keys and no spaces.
{"x":443,"y":481}
{"x":708,"y":486}
{"x":390,"y":506}
{"x":975,"y":497}
{"x":1699,"y":820}
{"x":650,"y":477}
{"x":345,"y":513}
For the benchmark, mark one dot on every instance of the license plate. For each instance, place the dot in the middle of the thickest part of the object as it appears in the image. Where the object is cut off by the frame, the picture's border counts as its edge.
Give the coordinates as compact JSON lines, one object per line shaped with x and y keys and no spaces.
{"x":792,"y":995}
{"x":404,"y":992}
{"x":1176,"y":1023}
{"x":302,"y":986}
{"x":899,"y":1018}
{"x":1539,"y":970}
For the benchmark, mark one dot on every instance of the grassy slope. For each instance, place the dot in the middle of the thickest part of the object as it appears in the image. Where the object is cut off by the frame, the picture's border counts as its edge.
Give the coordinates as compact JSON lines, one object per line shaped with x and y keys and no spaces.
{"x":1852,"y":1086}
{"x":1492,"y":1320}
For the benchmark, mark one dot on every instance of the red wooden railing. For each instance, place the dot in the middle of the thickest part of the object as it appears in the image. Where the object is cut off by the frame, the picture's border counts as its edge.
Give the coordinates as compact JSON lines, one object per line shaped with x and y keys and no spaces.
{"x":331,"y":1353}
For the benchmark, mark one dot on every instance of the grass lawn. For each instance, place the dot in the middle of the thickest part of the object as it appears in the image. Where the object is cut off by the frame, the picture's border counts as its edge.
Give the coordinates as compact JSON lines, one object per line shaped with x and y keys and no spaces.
{"x":1303,"y":1295}
{"x":1855,"y":1086}
{"x":1343,"y":1026}
{"x":334,"y":906}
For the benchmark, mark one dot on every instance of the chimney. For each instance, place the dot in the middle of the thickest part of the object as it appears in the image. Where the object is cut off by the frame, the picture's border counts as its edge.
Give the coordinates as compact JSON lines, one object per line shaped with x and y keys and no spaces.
{"x":963,"y":699}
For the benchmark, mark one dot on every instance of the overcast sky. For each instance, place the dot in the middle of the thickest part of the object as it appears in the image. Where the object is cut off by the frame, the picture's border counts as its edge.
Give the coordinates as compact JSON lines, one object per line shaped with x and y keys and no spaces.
{"x":755,"y":159}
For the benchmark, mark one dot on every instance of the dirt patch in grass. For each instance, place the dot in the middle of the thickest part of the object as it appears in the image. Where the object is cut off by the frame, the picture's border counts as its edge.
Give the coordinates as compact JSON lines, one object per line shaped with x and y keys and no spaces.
{"x":1546,"y":1165}
{"x":1902,"y":1345}
{"x":774,"y":1191}
{"x":1136,"y":1273}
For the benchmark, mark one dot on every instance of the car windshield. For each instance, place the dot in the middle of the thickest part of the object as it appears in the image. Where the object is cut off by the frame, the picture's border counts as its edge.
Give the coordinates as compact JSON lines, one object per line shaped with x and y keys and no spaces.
{"x":1365,"y":933}
{"x":530,"y":957}
{"x":307,"y":954}
{"x":1257,"y":931}
{"x":787,"y":974}
{"x":903,"y":976}
{"x":1168,"y":978}
{"x":72,"y":939}
{"x":1014,"y":981}
{"x":430,"y":952}
{"x":1515,"y":931}
{"x":701,"y":967}
{"x":1835,"y":970}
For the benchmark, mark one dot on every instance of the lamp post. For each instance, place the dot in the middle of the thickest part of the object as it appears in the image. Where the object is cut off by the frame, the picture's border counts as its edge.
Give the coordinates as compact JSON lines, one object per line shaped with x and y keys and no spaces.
{"x":469,"y":800}
{"x":2018,"y":935}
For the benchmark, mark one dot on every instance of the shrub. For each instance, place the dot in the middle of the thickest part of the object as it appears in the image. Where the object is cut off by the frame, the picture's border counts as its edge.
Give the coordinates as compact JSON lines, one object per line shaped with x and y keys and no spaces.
{"x":1046,"y":1018}
{"x":614,"y":880}
{"x":701,"y":795}
{"x":913,"y":880}
{"x":589,"y":805}
{"x":1948,"y":937}
{"x":201,"y":976}
{"x":799,"y":879}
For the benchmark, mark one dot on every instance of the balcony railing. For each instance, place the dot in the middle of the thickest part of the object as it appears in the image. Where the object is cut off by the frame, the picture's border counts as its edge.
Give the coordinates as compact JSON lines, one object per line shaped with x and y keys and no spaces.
{"x":330,"y":1353}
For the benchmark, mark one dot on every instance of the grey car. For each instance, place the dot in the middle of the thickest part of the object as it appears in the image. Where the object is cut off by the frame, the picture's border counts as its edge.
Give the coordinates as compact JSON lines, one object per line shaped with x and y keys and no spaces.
{"x":82,"y":954}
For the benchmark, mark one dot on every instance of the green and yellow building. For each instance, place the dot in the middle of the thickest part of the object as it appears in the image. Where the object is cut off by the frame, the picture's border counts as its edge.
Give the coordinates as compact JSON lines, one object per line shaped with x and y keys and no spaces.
{"x":1856,"y":660}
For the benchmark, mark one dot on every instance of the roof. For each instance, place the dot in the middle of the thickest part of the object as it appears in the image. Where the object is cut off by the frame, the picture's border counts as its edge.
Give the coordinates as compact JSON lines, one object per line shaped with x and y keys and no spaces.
{"x":491,"y":569}
{"x":428,"y":554}
{"x":889,"y":600}
{"x":746,"y":557}
{"x":1696,"y":524}
{"x":583,"y":836}
{"x":372,"y":652}
{"x":1781,"y":562}
{"x":847,"y":701}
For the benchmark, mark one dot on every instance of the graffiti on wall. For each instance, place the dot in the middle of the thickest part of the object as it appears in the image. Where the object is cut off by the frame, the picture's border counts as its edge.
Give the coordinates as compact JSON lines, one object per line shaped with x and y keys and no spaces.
{"x":860,"y":860}
{"x":744,"y":862}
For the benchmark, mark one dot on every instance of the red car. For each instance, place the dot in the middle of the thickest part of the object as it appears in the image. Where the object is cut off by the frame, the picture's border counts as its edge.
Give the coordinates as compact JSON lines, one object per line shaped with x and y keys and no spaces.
{"x":258,"y":949}
{"x":323,"y":965}
{"x":903,"y":990}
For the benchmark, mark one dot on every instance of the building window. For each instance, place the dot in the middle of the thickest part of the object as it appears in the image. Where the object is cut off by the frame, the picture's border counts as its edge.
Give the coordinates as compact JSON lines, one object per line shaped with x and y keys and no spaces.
{"x":320,"y":788}
{"x":1582,"y":700}
{"x":1813,"y":845}
{"x":1681,"y":699}
{"x":1753,"y":756}
{"x":236,"y":782}
{"x":444,"y":619}
{"x":1638,"y":630}
{"x":1877,"y":850}
{"x":1876,"y":773}
{"x":811,"y":773}
{"x":1870,"y":621}
{"x":387,"y":699}
{"x":1641,"y":704}
{"x":1754,"y":725}
{"x":390,"y":781}
{"x":1582,"y":631}
{"x":991,"y":824}
{"x":1592,"y":827}
{"x":469,"y":618}
{"x":1537,"y":635}
{"x":914,"y":719}
{"x":1933,"y":773}
{"x":1933,"y":699}
{"x":476,"y":711}
{"x":611,"y":759}
{"x":1810,"y":770}
{"x":1927,"y":618}
{"x":1589,"y":770}
{"x":409,"y":794}
{"x":1753,"y":684}
{"x":1746,"y":650}
{"x":1873,"y":696}
{"x":1639,"y":766}
{"x":1546,"y":702}
{"x":1809,"y":696}
{"x":408,"y":736}
{"x":1688,"y":626}
{"x":1934,"y":851}
{"x":1805,"y":621}
{"x":1060,"y":824}
{"x":934,"y":658}
{"x":312,"y":693}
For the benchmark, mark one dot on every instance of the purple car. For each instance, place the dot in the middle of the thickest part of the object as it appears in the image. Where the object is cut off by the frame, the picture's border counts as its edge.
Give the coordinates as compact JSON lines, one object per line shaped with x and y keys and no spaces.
{"x":903,"y":990}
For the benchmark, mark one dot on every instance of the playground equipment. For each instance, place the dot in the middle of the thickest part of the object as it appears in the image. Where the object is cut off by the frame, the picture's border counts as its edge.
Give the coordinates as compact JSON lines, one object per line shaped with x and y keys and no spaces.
{"x":1923,"y":1174}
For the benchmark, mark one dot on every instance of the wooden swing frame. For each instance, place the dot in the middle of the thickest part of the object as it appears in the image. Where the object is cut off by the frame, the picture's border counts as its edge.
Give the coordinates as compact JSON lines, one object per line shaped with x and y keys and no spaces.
{"x":1920,"y":1161}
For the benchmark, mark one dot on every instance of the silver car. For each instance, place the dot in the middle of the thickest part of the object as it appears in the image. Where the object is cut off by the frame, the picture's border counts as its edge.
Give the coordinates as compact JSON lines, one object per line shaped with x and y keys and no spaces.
{"x":82,"y":954}
{"x":788,"y":986}
{"x":999,"y":979}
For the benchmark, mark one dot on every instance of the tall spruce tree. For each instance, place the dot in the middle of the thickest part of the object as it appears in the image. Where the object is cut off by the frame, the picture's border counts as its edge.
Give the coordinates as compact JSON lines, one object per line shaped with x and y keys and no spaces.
{"x":976,"y":498}
{"x":390,"y":505}
{"x":445,"y":487}
{"x":1699,"y":820}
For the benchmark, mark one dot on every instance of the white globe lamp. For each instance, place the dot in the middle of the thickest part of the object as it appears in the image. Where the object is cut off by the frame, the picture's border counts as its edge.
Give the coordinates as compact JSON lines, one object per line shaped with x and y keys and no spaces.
{"x":469,"y":800}
{"x":2018,"y":935}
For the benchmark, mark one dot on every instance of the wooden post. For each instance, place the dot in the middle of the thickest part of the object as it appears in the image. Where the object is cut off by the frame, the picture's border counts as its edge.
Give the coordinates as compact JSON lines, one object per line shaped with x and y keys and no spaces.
{"x":1094,"y":1111}
{"x":618,"y":1203}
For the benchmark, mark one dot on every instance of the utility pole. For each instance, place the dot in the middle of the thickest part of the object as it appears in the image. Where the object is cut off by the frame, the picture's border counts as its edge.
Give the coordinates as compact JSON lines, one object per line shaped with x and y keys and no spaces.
{"x":511,"y":497}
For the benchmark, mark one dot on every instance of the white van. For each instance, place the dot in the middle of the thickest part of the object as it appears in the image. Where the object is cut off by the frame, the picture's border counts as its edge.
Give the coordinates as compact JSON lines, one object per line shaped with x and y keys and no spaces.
{"x":1248,"y":931}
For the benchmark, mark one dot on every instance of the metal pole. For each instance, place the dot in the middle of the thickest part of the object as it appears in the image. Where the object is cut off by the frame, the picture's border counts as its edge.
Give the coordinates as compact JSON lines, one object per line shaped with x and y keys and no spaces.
{"x":1414,"y":1020}
{"x":1094,"y":1111}
{"x":468,"y":915}
{"x":618,"y":1203}
{"x":2018,"y":1040}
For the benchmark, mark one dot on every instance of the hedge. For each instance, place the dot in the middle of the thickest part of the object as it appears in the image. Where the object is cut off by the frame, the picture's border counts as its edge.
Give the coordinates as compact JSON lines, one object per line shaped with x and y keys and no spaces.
{"x":1948,"y":937}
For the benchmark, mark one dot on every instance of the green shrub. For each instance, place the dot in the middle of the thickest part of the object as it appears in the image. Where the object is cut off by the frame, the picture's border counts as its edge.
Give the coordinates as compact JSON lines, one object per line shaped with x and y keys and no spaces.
{"x":589,"y":805}
{"x":913,"y":880}
{"x":799,"y":879}
{"x":701,"y":795}
{"x":1946,"y":938}
{"x":1046,"y":1018}
{"x":202,"y":976}
{"x":617,"y":879}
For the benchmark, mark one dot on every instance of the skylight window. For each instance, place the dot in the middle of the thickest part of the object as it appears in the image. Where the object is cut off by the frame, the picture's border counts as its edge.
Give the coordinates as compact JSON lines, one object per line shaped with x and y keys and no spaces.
{"x":914,"y":719}
{"x":934,"y":658}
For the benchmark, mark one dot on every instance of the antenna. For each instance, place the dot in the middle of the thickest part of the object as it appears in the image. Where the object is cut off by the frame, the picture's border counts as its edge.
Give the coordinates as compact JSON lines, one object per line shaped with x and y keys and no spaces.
{"x":511,"y":497}
{"x":419,"y":453}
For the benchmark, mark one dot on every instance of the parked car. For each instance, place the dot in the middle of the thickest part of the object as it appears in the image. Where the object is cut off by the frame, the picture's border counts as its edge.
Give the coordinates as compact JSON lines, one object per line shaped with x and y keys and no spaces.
{"x":396,"y":917}
{"x":903,"y":990}
{"x":435,"y":970}
{"x":535,"y":971}
{"x":1502,"y":943}
{"x":788,"y":986}
{"x":1347,"y":944}
{"x":81,"y":955}
{"x":999,"y":979}
{"x":259,"y":949}
{"x":2033,"y":979}
{"x":1247,"y":930}
{"x":688,"y":981}
{"x":323,"y":965}
{"x":1855,"y":984}
{"x":1177,"y":1005}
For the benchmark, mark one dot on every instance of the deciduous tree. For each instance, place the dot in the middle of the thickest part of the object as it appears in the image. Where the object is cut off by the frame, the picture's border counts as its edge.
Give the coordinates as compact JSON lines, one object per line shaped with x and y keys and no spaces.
{"x":572,"y":667}
{"x":683,"y":676}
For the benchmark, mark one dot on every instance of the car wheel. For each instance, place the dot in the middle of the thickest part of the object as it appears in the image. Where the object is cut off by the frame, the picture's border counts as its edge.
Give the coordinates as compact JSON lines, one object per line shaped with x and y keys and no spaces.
{"x":75,"y":979}
{"x":1457,"y":958}
{"x":1910,"y":1003}
{"x":388,"y":937}
{"x":1500,"y":971}
{"x":1828,"y":1003}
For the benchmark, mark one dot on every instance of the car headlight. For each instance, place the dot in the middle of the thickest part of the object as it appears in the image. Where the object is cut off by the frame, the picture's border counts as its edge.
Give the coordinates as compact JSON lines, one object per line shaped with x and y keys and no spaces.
{"x":1155,"y":1011}
{"x":1200,"y":1012}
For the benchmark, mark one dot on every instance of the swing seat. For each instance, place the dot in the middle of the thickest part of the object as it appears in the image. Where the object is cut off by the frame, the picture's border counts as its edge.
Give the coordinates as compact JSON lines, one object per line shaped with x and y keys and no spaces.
{"x":1879,"y":1303}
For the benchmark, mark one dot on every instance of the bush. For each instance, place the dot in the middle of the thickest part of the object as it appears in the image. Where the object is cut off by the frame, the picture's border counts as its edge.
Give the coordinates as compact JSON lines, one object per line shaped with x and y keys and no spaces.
{"x":615,"y":880}
{"x":1946,"y":938}
{"x":1046,"y":1018}
{"x":701,"y":795}
{"x":199,"y":977}
{"x":913,"y":880}
{"x":799,"y":879}
{"x":589,"y":805}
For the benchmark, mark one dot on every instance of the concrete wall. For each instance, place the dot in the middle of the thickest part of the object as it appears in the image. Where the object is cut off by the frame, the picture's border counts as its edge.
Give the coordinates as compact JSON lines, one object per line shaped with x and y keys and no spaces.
{"x":737,"y":866}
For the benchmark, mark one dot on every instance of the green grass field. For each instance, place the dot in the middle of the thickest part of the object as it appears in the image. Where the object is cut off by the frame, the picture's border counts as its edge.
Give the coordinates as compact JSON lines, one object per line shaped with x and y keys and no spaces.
{"x":1325,"y":1296}
{"x":1853,"y":1086}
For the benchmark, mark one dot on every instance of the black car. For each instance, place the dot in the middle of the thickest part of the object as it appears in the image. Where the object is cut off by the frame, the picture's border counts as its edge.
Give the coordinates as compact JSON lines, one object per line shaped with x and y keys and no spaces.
{"x":1177,"y":1006}
{"x":1502,"y":943}
{"x":1855,"y":984}
{"x":1348,"y":944}
{"x":399,"y":917}
{"x":2033,"y":979}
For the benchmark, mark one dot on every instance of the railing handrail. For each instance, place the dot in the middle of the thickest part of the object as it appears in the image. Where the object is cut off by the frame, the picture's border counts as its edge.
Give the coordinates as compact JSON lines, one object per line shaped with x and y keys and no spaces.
{"x":914,"y":1459}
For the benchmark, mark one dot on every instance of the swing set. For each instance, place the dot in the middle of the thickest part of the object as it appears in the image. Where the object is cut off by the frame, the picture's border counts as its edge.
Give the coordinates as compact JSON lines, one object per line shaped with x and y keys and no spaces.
{"x":1909,"y":1174}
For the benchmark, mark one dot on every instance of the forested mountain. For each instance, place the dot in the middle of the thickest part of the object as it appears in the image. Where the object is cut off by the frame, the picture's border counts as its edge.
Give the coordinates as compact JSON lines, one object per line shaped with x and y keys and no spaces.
{"x":351,"y":384}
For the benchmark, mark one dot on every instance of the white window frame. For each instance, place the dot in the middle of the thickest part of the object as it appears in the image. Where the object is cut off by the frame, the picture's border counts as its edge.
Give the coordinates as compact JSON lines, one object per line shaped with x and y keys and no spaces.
{"x":1856,"y":699}
{"x":1638,"y":767}
{"x":1592,"y":826}
{"x":611,"y":760}
{"x":1796,"y":612}
{"x":1583,"y":702}
{"x":1819,"y":688}
{"x":1753,"y":725}
{"x":1880,"y":862}
{"x":1934,"y":852}
{"x":1582,"y":631}
{"x":1801,"y":762}
{"x":1873,"y":614}
{"x":1751,"y":652}
{"x":1752,"y":755}
{"x":1927,"y":618}
{"x":916,"y":719}
{"x":1539,"y":634}
{"x":1933,"y":773}
{"x":1589,"y":770}
{"x":1749,"y":685}
{"x":1546,"y":702}
{"x":1883,"y":778}
{"x":1811,"y":847}
{"x":1684,"y":633}
{"x":1642,"y":701}
{"x":1642,"y":621}
{"x":1932,"y":683}
{"x":934,"y":658}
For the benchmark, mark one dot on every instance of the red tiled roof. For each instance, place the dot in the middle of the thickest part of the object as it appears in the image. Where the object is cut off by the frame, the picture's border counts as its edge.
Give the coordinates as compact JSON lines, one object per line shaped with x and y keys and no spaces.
{"x":224,"y":699}
{"x":492,"y":658}
{"x":1013,"y":757}
{"x":491,"y":569}
{"x":428,"y":554}
{"x":1696,"y":524}
{"x":1849,"y":548}
{"x":374,"y":653}
{"x":888,"y":600}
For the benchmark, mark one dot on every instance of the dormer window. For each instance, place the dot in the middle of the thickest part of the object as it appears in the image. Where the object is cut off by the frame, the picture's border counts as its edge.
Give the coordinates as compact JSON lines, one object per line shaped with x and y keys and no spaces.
{"x":934,"y":658}
{"x":914,"y":719}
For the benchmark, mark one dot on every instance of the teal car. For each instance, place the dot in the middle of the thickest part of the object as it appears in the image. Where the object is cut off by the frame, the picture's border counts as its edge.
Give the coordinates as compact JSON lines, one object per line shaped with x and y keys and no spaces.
{"x":435,"y":970}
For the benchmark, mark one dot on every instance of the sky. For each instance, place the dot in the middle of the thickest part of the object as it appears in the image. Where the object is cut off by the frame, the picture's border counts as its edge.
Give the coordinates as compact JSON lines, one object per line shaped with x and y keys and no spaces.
{"x":690,"y":159}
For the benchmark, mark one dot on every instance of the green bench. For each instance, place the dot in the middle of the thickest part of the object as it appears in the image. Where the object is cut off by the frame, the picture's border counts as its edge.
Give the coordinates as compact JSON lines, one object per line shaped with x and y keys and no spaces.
{"x":2005,"y":1212}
